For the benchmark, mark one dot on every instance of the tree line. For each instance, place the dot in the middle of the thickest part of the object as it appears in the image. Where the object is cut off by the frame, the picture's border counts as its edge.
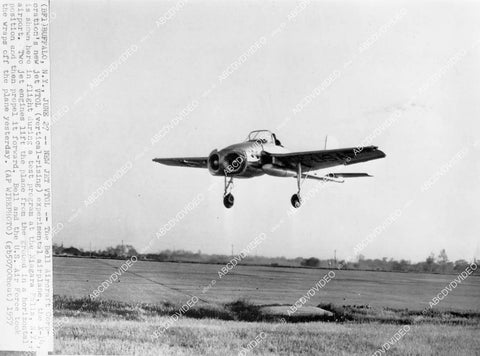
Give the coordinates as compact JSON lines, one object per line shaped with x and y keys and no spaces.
{"x":432,"y":264}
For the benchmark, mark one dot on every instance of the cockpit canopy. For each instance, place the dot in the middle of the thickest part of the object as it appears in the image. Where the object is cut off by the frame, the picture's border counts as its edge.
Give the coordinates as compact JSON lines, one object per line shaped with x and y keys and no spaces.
{"x":263,"y":136}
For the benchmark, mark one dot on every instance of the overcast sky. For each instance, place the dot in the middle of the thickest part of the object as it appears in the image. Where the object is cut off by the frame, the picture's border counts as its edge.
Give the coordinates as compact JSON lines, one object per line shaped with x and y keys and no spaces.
{"x":419,"y":61}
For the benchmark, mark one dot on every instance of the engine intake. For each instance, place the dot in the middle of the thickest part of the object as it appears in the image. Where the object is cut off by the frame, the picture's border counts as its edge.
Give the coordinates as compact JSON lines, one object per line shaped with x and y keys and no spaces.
{"x":214,"y":162}
{"x":234,"y":163}
{"x":226,"y":162}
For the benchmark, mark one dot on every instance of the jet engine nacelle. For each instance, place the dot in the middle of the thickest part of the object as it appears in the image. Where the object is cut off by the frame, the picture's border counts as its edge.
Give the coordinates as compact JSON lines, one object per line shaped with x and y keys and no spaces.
{"x":226,"y":162}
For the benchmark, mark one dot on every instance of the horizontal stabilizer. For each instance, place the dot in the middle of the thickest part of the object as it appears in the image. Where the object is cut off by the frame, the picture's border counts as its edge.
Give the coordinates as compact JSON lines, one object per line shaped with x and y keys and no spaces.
{"x":324,"y":178}
{"x":348,"y":175}
{"x":335,"y":177}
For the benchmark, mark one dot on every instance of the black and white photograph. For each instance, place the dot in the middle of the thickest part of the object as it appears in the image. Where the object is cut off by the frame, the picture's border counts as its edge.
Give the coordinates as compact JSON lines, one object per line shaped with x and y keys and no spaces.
{"x":241,"y":177}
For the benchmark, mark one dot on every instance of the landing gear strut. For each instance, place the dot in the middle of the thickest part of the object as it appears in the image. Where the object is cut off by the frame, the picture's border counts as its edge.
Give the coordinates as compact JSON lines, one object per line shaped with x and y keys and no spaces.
{"x":228,"y":198}
{"x":296,"y":199}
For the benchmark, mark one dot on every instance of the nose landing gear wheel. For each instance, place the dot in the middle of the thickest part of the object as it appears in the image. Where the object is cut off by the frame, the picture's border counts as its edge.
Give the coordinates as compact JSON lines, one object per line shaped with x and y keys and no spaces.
{"x":228,"y":200}
{"x":296,"y":201}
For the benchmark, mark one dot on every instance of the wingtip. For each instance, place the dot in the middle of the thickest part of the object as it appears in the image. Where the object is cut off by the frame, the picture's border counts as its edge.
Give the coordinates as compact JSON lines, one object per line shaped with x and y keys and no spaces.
{"x":382,"y":154}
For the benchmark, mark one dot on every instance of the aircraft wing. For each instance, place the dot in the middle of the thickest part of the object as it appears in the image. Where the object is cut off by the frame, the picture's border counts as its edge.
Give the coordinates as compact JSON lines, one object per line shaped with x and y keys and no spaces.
{"x":196,"y":162}
{"x":313,"y":160}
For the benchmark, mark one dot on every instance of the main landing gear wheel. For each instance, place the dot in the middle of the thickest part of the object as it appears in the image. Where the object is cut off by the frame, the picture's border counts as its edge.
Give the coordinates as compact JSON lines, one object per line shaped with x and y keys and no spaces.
{"x":228,"y":200}
{"x":296,"y":201}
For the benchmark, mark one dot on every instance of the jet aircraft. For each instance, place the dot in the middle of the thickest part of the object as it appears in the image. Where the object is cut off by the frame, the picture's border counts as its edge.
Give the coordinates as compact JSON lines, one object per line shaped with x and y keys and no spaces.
{"x":262,"y":153}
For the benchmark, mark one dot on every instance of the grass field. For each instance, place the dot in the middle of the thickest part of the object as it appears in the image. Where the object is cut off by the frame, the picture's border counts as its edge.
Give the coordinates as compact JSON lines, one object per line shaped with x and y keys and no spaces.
{"x":373,"y":306}
{"x":110,"y":335}
{"x":156,"y":282}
